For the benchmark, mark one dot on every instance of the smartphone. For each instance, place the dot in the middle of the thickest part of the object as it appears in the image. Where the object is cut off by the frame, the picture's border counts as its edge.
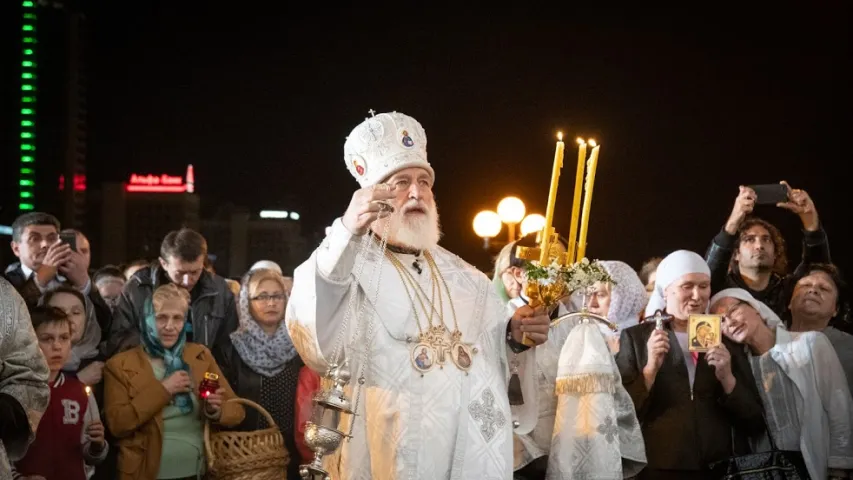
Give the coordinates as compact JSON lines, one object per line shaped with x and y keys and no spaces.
{"x":770,"y":194}
{"x":70,"y":239}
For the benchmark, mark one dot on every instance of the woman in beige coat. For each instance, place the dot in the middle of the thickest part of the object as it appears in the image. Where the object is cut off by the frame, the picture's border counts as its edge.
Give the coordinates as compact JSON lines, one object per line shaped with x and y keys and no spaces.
{"x":152,"y":400}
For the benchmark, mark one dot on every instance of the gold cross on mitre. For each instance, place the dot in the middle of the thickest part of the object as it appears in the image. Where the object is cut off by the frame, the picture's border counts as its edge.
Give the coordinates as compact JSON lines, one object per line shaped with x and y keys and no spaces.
{"x":549,"y":291}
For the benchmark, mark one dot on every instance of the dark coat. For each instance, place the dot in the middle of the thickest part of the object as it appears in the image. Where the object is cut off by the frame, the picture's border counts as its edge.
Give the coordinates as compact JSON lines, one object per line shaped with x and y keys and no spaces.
{"x":213,"y":313}
{"x":687,"y":429}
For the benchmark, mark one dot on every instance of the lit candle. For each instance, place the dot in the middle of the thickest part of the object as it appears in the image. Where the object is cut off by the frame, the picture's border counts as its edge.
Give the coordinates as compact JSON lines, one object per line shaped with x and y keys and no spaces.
{"x":576,"y":204}
{"x":88,"y":390}
{"x":552,"y":200}
{"x":587,"y":200}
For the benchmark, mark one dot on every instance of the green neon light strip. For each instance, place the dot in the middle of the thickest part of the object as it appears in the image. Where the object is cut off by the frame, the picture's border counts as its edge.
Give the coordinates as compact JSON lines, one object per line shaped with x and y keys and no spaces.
{"x":28,"y":98}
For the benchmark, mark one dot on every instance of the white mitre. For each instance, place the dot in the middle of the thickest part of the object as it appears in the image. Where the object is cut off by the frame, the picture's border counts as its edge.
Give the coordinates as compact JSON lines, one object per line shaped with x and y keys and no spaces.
{"x":383,"y":145}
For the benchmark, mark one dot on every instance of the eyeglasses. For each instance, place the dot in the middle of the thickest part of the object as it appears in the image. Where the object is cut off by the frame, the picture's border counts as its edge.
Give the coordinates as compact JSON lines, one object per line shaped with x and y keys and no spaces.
{"x":265,"y":298}
{"x":735,"y":309}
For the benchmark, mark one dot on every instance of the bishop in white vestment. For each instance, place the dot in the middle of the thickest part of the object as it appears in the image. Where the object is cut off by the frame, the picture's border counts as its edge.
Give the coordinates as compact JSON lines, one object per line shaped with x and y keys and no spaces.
{"x":428,"y":339}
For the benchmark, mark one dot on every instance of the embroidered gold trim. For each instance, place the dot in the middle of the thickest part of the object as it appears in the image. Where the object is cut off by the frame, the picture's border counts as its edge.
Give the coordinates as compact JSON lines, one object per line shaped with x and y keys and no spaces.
{"x":587,"y":383}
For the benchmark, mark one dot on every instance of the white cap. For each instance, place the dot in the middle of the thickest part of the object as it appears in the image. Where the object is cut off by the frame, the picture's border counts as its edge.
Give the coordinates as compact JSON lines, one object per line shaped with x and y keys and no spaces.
{"x":383,"y":145}
{"x":267,"y":264}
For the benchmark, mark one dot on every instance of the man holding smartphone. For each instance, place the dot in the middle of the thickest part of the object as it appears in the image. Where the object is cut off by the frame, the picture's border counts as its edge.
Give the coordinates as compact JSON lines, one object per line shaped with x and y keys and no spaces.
{"x":749,"y":253}
{"x":45,"y":261}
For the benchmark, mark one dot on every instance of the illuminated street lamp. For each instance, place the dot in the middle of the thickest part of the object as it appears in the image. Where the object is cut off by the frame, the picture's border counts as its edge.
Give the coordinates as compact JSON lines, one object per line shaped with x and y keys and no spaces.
{"x":511,"y":211}
{"x":487,"y":225}
{"x":532,"y":223}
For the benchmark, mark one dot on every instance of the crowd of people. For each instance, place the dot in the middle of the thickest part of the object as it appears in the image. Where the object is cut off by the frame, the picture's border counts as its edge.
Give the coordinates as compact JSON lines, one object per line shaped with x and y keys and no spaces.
{"x":123,"y":351}
{"x":454,"y":374}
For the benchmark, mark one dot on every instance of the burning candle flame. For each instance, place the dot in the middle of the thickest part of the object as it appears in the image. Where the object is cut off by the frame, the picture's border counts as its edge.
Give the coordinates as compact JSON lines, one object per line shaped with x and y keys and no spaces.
{"x":88,"y":390}
{"x":560,"y":136}
{"x":592,"y":142}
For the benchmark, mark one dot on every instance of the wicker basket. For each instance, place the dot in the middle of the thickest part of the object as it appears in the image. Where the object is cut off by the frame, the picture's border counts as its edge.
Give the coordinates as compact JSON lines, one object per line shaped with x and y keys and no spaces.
{"x":257,"y":455}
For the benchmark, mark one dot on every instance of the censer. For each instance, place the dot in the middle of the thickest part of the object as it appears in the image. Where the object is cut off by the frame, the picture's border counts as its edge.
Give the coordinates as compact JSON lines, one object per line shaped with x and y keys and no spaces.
{"x":322,"y":434}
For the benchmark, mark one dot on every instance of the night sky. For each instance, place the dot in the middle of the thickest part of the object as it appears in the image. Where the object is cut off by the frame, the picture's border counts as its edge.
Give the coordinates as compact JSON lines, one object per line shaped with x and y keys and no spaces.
{"x":687,"y":105}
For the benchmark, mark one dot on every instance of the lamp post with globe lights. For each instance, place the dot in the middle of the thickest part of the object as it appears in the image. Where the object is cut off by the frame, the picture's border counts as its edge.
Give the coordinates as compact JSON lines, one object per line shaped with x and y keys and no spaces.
{"x":511,"y":211}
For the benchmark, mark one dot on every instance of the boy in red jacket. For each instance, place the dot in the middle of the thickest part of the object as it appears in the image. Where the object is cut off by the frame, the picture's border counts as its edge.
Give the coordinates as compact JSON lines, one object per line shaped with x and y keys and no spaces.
{"x":70,"y":436}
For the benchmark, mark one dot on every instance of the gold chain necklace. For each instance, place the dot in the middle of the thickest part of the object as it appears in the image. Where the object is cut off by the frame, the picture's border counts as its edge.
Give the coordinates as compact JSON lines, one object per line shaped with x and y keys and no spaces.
{"x":433,"y":346}
{"x":401,"y":271}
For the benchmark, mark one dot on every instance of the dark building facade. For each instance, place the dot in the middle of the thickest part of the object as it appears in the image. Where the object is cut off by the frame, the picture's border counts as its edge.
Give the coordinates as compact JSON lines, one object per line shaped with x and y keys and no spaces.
{"x":237,"y":238}
{"x":131,"y":224}
{"x":46,"y":143}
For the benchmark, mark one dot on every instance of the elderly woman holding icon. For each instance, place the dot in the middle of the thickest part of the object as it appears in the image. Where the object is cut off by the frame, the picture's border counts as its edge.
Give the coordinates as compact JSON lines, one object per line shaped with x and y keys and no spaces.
{"x":705,"y":405}
{"x":152,"y":404}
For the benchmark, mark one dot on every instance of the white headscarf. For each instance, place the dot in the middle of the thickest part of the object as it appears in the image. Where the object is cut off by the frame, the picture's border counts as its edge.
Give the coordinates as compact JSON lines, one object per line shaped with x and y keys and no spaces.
{"x":674,"y":266}
{"x":627,"y":296}
{"x":769,"y":316}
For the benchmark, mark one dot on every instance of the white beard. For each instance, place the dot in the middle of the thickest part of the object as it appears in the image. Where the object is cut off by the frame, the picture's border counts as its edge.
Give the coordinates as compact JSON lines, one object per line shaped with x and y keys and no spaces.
{"x":417,"y":231}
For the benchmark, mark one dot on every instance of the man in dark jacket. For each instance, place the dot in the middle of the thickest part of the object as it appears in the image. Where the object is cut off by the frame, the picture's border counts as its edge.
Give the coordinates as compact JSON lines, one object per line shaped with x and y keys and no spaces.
{"x":46,"y":262}
{"x":749,"y":253}
{"x":213,"y":313}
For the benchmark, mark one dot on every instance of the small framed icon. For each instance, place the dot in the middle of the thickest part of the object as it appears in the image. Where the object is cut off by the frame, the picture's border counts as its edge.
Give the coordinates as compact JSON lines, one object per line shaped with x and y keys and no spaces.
{"x":703,"y":332}
{"x":423,"y":357}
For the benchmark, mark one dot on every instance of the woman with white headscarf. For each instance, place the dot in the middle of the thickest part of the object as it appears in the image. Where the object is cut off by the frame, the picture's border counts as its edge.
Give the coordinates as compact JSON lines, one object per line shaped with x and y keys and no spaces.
{"x":694,"y":409}
{"x":807,"y":402}
{"x":620,"y":302}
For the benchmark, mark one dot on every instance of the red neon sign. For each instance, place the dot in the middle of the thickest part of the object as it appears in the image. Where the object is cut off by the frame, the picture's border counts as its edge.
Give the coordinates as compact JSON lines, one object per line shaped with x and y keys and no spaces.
{"x":79,"y":182}
{"x":161,"y":183}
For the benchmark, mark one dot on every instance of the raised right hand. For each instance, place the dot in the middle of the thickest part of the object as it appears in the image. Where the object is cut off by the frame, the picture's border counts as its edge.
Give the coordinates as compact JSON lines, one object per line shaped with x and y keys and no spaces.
{"x":657,"y":347}
{"x":56,"y":256}
{"x":178,"y":382}
{"x":744,"y":204}
{"x":363,"y":209}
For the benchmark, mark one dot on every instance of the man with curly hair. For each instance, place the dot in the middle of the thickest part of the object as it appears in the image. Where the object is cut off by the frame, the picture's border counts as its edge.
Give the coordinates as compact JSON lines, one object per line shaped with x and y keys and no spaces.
{"x":749,"y":252}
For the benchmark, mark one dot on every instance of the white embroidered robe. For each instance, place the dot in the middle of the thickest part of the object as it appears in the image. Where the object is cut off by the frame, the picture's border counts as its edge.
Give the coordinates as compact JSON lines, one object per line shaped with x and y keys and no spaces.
{"x":442,"y":425}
